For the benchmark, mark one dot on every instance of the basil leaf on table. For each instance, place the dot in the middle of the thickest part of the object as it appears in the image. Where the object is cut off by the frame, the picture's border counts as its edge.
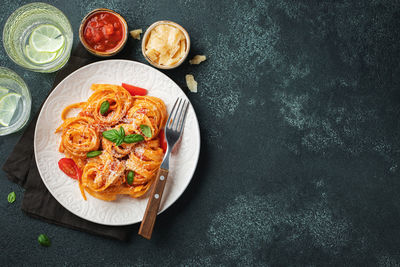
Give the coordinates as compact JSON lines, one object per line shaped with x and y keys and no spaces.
{"x":133,"y":138}
{"x":104,"y":107}
{"x":93,"y":154}
{"x":146,"y":130}
{"x":11,"y":197}
{"x":112,"y":135}
{"x":44,"y":240}
{"x":129,"y":177}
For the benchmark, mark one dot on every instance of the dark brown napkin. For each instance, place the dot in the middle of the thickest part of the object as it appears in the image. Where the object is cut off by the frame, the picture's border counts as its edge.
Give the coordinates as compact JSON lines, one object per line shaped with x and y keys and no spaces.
{"x":38,"y":202}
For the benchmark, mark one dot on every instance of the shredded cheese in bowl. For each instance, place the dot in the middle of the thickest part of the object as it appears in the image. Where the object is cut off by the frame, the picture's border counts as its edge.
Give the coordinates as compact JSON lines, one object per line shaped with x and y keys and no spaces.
{"x":165,"y":44}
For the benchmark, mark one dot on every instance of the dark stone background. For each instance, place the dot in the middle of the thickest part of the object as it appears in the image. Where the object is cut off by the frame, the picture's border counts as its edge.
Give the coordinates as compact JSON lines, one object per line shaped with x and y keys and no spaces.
{"x":298,"y":106}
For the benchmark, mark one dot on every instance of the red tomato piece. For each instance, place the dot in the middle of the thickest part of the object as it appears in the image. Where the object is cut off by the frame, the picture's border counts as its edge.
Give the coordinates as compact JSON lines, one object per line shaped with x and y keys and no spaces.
{"x":109,"y":29}
{"x":96,"y":37}
{"x":134,"y":90}
{"x":69,"y":167}
{"x":163,"y":141}
{"x":88,"y":33}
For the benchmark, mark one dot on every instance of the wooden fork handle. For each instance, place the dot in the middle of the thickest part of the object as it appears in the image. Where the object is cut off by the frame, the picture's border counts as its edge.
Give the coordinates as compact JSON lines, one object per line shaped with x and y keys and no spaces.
{"x":149,"y":218}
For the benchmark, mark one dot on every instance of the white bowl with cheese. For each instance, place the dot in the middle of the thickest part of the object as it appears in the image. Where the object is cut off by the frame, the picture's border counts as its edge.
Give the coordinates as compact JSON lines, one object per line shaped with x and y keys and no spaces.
{"x":165,"y":44}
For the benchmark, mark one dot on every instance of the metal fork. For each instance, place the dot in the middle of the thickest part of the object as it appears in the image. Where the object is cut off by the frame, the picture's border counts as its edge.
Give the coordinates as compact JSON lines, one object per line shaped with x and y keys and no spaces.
{"x":173,"y":131}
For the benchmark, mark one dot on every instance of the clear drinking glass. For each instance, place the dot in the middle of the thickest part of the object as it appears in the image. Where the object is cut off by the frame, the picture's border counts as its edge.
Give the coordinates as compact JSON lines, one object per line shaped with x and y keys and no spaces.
{"x":15,"y":102}
{"x":38,"y":37}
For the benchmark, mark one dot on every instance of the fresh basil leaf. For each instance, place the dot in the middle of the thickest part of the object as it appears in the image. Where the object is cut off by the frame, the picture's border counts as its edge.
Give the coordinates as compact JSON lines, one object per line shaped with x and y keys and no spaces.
{"x":129,"y":177}
{"x":111,"y":135}
{"x":104,"y":107}
{"x":93,"y":154}
{"x":122,"y":132}
{"x":133,"y":138}
{"x":44,"y":240}
{"x":11,"y":197}
{"x":119,"y":141}
{"x":146,"y":130}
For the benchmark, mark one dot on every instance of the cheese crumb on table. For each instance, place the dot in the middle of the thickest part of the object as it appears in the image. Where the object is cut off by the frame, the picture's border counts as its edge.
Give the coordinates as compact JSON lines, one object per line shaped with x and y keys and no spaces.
{"x":191,"y":83}
{"x":197,"y":59}
{"x":136,"y":33}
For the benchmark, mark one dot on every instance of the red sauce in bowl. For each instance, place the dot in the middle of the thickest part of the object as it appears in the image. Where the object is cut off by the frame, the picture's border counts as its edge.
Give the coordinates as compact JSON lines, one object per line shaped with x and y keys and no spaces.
{"x":103,"y":31}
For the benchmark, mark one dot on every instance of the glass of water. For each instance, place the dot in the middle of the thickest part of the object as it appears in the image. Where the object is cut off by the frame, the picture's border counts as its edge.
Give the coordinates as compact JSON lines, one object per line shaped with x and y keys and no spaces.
{"x":38,"y":37}
{"x":15,"y":102}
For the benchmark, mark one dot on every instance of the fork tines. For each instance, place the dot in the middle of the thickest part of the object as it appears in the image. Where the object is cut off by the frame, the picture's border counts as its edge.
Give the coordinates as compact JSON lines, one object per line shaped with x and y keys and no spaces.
{"x":177,"y":118}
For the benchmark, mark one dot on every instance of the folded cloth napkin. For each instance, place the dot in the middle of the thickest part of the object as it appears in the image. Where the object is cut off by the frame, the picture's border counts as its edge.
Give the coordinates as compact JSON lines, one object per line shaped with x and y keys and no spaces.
{"x":38,"y":202}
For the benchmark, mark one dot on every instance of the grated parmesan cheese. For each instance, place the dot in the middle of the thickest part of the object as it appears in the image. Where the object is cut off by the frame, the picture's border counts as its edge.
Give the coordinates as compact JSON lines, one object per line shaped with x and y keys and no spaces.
{"x":191,"y":83}
{"x":197,"y":59}
{"x":139,"y":151}
{"x":136,"y":33}
{"x":166,"y":45}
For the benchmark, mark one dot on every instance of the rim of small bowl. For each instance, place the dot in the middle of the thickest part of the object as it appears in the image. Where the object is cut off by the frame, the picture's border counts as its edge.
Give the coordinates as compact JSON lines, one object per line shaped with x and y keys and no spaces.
{"x":146,"y":37}
{"x":106,"y":53}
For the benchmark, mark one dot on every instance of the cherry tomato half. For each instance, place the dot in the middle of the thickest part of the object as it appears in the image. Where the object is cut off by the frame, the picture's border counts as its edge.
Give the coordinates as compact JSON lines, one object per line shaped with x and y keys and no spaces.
{"x":134,"y":90}
{"x":69,"y":167}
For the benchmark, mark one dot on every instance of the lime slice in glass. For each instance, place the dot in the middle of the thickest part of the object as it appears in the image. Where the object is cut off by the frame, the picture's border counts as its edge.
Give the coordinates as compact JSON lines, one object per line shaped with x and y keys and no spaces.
{"x":8,"y":105}
{"x":39,"y":57}
{"x":3,"y":91}
{"x":46,"y":38}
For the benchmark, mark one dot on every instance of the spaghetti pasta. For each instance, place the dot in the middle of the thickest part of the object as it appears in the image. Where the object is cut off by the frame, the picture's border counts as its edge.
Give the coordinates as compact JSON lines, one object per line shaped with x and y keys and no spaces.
{"x":120,"y":101}
{"x":104,"y":176}
{"x":149,"y":111}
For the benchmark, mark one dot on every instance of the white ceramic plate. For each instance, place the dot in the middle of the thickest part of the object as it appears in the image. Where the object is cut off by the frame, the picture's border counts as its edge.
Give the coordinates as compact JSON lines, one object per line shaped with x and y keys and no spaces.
{"x":76,"y":88}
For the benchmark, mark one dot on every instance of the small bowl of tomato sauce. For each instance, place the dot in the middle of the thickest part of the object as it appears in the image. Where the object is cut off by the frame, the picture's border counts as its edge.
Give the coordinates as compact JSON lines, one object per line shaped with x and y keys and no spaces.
{"x":103,"y":32}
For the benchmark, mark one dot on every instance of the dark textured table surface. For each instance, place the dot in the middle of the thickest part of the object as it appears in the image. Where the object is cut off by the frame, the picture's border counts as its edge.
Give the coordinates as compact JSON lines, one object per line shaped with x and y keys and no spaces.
{"x":298,"y":106}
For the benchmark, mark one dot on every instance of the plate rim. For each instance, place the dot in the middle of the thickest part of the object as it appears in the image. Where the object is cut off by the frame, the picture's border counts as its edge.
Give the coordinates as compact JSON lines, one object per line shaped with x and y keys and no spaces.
{"x":106,"y":62}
